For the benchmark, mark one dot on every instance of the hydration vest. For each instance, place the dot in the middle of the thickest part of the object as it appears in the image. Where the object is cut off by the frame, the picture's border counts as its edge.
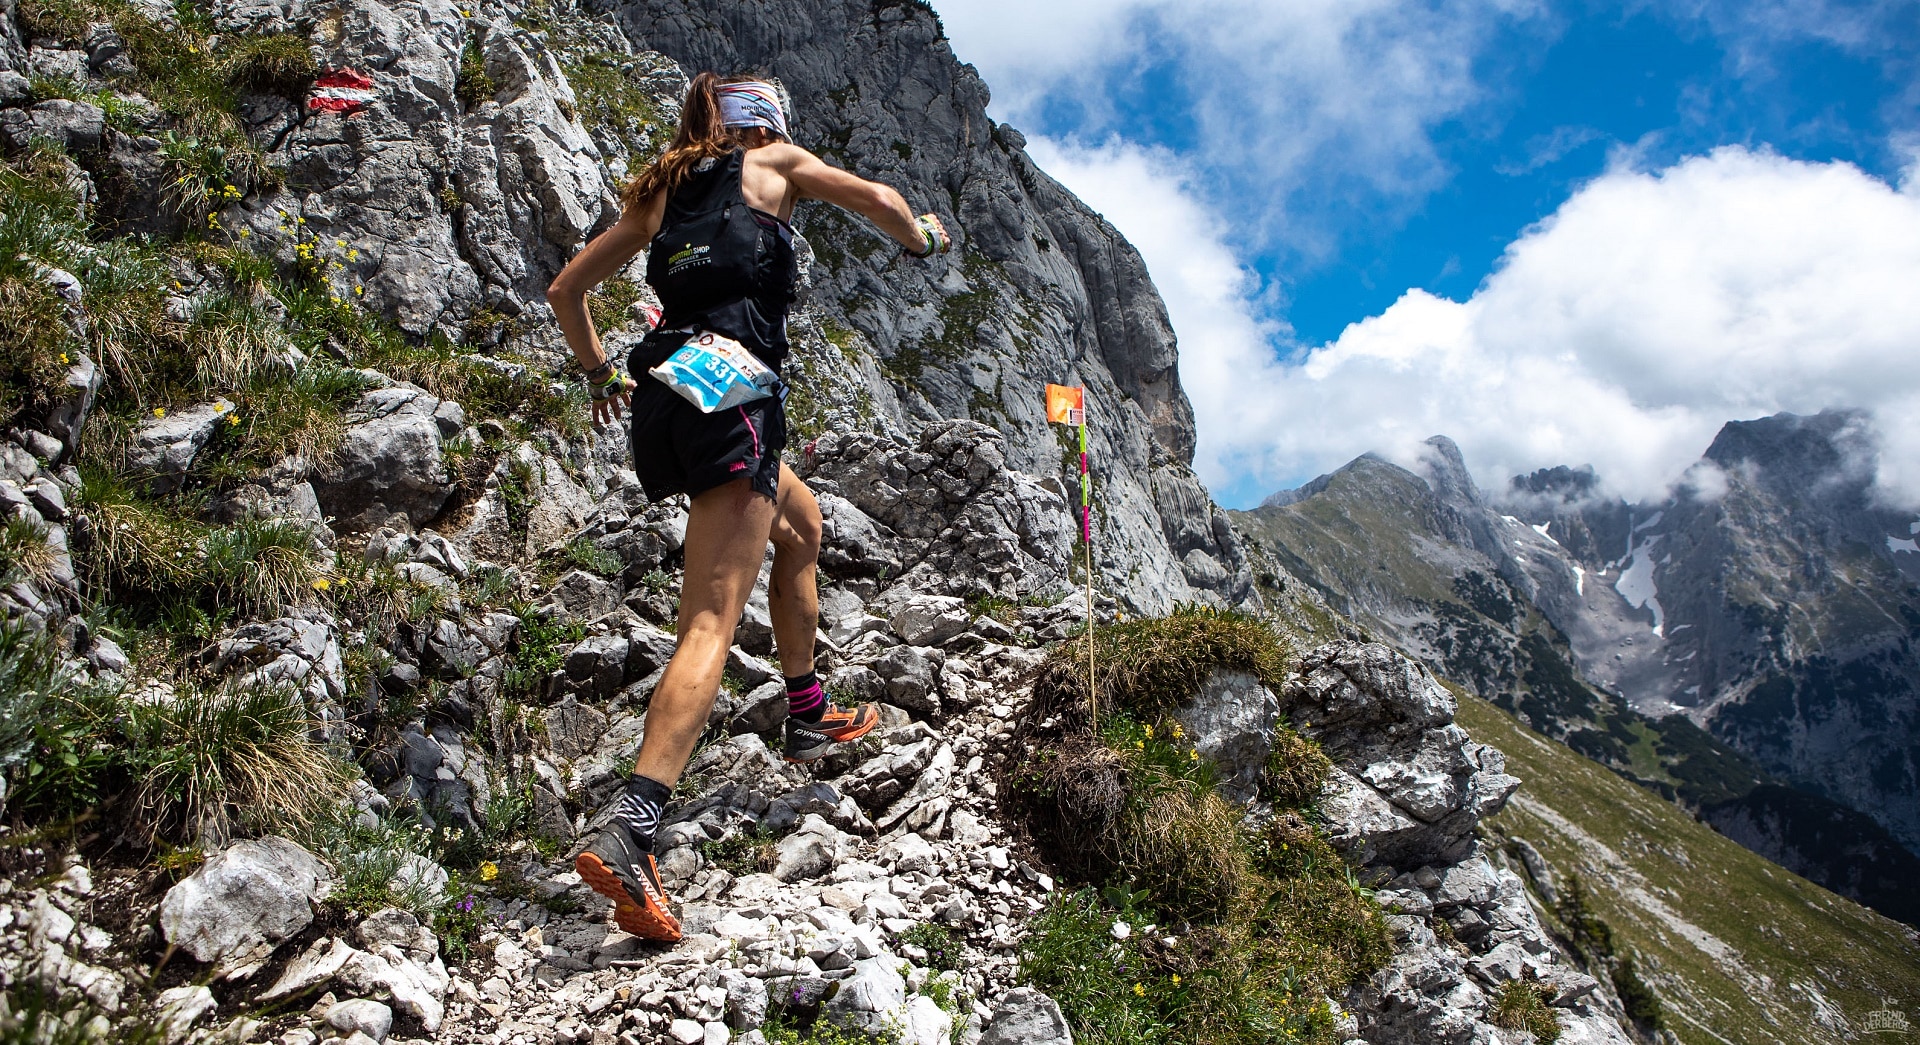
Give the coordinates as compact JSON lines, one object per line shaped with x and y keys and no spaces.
{"x":721,"y":265}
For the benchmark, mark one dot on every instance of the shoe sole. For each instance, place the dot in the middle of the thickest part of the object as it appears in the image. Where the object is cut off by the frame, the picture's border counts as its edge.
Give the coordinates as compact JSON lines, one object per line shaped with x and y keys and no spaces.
{"x":814,"y":754}
{"x":631,"y":917}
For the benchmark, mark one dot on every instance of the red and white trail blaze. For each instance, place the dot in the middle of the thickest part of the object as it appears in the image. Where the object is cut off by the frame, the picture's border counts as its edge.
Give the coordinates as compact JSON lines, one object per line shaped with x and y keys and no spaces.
{"x":342,"y":90}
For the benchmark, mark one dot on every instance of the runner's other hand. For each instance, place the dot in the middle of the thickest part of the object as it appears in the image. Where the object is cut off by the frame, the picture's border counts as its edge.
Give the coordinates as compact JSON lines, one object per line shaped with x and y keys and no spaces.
{"x":935,"y":234}
{"x":610,"y":396}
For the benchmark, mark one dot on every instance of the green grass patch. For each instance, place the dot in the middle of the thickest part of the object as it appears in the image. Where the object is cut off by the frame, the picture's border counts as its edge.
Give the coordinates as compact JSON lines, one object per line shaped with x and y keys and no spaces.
{"x":541,"y":644}
{"x":944,"y":947}
{"x":155,"y":553}
{"x":583,"y":554}
{"x":202,"y":761}
{"x":744,"y":853}
{"x":471,"y":84}
{"x":1523,"y":1006}
{"x":1150,"y":665}
{"x":787,"y":1028}
{"x":1269,"y":919}
{"x":613,"y":95}
{"x":994,"y":607}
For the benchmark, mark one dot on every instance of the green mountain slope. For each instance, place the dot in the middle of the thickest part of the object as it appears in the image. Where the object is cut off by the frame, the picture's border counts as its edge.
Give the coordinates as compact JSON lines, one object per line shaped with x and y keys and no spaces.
{"x":1740,"y":951}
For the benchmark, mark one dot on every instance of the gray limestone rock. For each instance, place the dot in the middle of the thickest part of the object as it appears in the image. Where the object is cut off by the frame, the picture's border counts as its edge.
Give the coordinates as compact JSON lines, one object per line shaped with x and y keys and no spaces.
{"x":361,"y":1015}
{"x":1024,"y":1016}
{"x":164,"y":447}
{"x":1231,"y":721}
{"x":242,"y":901}
{"x":1409,"y":785}
{"x":389,"y":460}
{"x":870,"y":998}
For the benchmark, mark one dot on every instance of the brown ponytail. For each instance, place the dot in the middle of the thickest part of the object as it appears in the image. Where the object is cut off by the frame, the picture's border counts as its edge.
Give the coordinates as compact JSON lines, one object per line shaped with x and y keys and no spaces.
{"x":701,"y":135}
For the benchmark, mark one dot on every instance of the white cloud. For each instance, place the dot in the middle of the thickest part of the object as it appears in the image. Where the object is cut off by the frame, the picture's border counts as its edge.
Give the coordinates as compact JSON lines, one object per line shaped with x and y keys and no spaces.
{"x":1622,"y":331}
{"x":1305,"y":113}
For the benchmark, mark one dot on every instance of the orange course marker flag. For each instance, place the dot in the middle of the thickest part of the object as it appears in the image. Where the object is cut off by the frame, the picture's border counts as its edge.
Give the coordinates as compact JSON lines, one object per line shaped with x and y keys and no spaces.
{"x":1066,"y":405}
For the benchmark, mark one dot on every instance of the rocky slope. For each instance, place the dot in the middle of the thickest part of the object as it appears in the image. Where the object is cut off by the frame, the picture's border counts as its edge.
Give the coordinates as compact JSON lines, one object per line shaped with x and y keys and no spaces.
{"x":1531,"y":613}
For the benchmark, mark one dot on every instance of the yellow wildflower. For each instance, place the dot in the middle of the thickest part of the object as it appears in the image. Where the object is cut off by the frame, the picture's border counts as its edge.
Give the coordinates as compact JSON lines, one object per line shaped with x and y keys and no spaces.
{"x":321,"y":584}
{"x":353,"y":255}
{"x":63,"y":357}
{"x":1139,"y":991}
{"x":1178,"y":732}
{"x":1149,"y":731}
{"x":233,"y":419}
{"x":1193,"y":756}
{"x":159,"y":411}
{"x":1176,"y":979}
{"x":359,"y":290}
{"x":339,"y":243}
{"x":488,"y":871}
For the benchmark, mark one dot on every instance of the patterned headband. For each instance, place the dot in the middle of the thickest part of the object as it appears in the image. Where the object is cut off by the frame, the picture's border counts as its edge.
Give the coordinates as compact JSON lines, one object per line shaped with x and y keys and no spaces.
{"x":753,"y":104}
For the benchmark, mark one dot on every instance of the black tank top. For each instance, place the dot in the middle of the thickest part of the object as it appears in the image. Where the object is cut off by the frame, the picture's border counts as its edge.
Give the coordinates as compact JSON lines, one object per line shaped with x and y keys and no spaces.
{"x":721,"y":265}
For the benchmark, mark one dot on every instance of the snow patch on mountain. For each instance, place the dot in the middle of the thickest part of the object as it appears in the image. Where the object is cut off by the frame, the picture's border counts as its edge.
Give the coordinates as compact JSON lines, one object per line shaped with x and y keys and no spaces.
{"x":1636,"y":583}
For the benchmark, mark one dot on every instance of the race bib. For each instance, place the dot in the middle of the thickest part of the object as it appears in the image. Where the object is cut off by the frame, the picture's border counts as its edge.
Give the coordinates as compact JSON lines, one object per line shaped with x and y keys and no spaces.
{"x":716,"y":373}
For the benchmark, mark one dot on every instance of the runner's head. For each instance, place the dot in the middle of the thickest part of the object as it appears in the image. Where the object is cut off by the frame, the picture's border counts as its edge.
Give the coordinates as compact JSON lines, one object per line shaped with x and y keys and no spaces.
{"x":718,"y":116}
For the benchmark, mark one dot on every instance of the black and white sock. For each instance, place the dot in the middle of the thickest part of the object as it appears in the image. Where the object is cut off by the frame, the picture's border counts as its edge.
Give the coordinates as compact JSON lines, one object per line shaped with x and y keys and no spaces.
{"x":640,"y":808}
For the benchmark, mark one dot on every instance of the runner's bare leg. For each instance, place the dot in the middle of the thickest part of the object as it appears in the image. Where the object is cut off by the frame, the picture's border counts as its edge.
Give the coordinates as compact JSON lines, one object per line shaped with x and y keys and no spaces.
{"x":727,"y":529}
{"x":793,"y":593}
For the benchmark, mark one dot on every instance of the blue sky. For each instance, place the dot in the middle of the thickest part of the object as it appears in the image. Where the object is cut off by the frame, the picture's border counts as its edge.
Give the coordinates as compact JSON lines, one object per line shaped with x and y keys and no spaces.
{"x":1355,"y":166}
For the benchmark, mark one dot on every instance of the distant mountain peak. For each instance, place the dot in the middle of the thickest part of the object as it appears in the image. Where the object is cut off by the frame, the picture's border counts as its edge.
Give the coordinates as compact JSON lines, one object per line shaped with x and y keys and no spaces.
{"x":1796,"y":452}
{"x":1570,"y":486}
{"x":1446,"y":471}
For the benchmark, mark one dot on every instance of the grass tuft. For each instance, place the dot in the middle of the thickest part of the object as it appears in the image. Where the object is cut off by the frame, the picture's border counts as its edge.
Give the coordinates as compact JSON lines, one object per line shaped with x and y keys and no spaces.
{"x":213,"y":760}
{"x":1148,"y":665}
{"x":27,"y":550}
{"x":281,"y":64}
{"x":154,"y":553}
{"x":1523,"y":1006}
{"x":1295,"y":770}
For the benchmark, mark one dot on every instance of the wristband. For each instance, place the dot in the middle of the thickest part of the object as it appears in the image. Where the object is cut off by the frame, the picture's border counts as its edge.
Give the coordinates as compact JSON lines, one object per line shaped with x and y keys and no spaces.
{"x":599,"y":373}
{"x":937,"y":241}
{"x":614,"y":384}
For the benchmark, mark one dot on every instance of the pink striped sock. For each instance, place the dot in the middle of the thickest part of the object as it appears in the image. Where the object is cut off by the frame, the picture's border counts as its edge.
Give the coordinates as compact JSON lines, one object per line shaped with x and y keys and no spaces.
{"x":807,"y":704}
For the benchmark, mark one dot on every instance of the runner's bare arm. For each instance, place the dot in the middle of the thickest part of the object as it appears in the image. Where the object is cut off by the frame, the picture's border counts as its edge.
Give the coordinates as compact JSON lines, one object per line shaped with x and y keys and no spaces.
{"x":878,"y":203}
{"x":604,"y":256}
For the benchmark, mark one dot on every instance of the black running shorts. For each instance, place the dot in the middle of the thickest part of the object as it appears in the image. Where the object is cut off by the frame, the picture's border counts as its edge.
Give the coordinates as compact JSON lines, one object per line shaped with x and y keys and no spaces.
{"x":678,"y":449}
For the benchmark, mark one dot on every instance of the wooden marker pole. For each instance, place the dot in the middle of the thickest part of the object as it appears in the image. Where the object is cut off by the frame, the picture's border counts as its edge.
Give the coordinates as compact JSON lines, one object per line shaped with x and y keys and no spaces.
{"x":1067,"y":405}
{"x":1086,"y":538}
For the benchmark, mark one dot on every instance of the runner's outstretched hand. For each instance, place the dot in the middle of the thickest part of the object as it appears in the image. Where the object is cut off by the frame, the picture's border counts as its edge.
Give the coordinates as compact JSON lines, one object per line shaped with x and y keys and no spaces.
{"x":934,"y":234}
{"x":611,"y":396}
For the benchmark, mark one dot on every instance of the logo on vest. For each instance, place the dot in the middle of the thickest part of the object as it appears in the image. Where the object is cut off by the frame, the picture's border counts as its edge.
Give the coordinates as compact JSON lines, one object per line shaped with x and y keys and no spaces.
{"x":687,"y":258}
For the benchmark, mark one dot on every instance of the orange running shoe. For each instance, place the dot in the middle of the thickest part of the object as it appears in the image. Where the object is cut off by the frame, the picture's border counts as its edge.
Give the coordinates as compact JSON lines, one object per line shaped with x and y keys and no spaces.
{"x":616,"y":868}
{"x":837,"y":725}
